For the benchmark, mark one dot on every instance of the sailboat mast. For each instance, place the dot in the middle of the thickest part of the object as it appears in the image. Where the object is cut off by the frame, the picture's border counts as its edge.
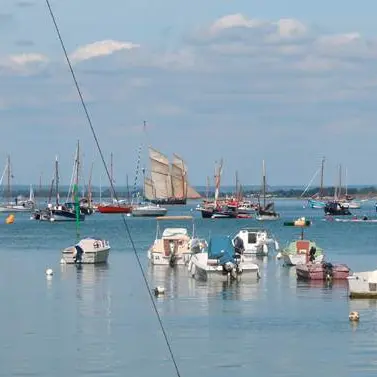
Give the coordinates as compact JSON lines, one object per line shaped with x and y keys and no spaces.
{"x":236,"y":184}
{"x":90,"y":184}
{"x":57,"y":180}
{"x":322,"y":170}
{"x":78,"y":163}
{"x":340,"y":181}
{"x":40,"y":185}
{"x":9,"y":175}
{"x":111,"y":177}
{"x":207,"y":191}
{"x":264,"y":184}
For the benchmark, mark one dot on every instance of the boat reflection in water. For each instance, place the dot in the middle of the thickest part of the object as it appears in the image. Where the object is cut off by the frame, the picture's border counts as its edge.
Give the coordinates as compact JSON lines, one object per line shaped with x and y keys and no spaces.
{"x":188,"y":296}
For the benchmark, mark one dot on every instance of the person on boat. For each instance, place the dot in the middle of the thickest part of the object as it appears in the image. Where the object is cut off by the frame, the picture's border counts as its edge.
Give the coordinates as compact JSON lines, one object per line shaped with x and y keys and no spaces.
{"x":239,"y":247}
{"x":312,"y":252}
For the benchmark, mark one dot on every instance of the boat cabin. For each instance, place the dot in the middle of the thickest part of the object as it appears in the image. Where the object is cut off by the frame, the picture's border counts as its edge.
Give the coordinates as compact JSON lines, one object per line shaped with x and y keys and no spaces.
{"x":251,"y":236}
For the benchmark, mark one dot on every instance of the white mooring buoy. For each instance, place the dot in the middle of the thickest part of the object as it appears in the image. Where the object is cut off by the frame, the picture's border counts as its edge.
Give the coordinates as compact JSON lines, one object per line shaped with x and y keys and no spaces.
{"x":354,"y":316}
{"x":49,"y":272}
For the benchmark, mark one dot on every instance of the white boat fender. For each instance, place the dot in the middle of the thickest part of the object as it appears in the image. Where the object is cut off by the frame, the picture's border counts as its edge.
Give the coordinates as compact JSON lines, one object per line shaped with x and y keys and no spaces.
{"x":159,"y":291}
{"x":354,"y":316}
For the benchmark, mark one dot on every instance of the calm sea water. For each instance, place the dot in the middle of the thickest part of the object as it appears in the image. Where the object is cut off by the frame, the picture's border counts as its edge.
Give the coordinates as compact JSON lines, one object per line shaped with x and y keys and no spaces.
{"x":99,"y":321}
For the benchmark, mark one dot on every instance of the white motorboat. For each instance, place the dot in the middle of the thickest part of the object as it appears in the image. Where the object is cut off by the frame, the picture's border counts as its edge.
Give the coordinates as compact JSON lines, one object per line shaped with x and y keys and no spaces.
{"x":174,"y":246}
{"x":363,"y":284}
{"x":253,"y":241}
{"x":219,"y":262}
{"x":87,"y":251}
{"x":148,"y":210}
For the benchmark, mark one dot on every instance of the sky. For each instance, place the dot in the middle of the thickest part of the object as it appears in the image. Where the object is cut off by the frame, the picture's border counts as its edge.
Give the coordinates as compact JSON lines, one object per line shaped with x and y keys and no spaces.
{"x":282,"y":81}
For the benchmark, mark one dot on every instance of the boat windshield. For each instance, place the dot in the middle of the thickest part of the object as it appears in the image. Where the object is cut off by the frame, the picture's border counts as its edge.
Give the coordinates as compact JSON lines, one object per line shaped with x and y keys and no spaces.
{"x":173,"y":232}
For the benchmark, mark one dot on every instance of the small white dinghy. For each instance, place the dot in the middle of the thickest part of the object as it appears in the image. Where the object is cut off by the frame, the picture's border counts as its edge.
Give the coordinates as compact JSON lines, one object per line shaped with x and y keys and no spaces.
{"x":220,"y":262}
{"x":87,"y":251}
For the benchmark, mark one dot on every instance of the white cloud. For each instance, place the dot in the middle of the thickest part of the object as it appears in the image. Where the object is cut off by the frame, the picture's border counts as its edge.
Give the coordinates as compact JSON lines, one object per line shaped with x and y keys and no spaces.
{"x":290,"y":28}
{"x":24,"y":59}
{"x":339,"y":39}
{"x":233,"y":21}
{"x":100,"y":48}
{"x":24,"y":64}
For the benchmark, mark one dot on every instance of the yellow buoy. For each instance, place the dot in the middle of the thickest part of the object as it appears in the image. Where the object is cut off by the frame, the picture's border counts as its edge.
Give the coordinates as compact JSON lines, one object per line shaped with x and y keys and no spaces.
{"x":9,"y":219}
{"x":354,"y":316}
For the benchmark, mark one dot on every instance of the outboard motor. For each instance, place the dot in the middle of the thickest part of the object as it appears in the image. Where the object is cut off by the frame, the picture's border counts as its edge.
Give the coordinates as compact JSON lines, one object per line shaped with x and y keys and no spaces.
{"x":239,"y":247}
{"x":328,"y":270}
{"x":312,"y":252}
{"x":79,"y":254}
{"x":172,"y":254}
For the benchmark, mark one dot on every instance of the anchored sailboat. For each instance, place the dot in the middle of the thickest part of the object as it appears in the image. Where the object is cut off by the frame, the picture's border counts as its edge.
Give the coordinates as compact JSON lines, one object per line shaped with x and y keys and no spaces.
{"x":168,"y":183}
{"x":267,"y":211}
{"x":20,"y":204}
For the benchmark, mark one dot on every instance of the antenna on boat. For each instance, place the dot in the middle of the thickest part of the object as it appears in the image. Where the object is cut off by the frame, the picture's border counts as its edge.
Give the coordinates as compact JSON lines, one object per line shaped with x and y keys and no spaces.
{"x":85,"y":109}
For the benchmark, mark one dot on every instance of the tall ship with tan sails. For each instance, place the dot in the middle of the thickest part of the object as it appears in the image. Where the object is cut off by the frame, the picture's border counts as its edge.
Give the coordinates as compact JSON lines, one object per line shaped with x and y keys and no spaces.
{"x":168,"y":182}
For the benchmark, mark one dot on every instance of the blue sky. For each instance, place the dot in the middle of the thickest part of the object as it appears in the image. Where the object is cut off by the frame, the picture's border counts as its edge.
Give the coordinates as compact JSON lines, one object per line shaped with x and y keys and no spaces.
{"x":285,"y":81}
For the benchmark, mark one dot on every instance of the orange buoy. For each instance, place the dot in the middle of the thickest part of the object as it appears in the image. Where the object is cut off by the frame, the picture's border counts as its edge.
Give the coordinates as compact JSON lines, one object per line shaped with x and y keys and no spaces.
{"x":10,"y":219}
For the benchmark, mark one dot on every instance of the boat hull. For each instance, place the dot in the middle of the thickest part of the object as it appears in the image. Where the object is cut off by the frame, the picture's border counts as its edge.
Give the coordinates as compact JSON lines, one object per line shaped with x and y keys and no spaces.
{"x":322,"y":271}
{"x":161,"y":259}
{"x":94,"y":251}
{"x":149,"y":212}
{"x":295,"y":259}
{"x":267,"y":217}
{"x":61,"y":215}
{"x":89,"y":257}
{"x":363,"y":284}
{"x":114,"y":209}
{"x":11,"y":209}
{"x":170,"y":201}
{"x":201,"y":268}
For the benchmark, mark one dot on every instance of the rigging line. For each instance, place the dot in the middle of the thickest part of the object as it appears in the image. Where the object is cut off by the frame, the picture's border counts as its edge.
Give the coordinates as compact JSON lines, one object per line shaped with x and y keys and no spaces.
{"x":53,"y":19}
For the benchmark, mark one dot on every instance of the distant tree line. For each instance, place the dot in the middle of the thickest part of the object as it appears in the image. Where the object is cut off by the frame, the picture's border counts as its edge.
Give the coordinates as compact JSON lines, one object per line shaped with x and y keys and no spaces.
{"x":124,"y":193}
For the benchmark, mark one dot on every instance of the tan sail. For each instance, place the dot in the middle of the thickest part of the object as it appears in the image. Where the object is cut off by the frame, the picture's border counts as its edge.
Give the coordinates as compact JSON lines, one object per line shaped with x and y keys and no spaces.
{"x":177,"y":171}
{"x":148,"y":189}
{"x":180,"y":180}
{"x":160,"y":174}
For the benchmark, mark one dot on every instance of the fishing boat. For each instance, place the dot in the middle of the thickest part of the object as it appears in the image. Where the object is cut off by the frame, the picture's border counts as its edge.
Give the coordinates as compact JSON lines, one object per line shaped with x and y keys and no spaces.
{"x":20,"y":204}
{"x":174,"y":246}
{"x":363,"y":284}
{"x":148,"y":210}
{"x":301,"y":251}
{"x":90,"y":250}
{"x":322,"y":271}
{"x":220,"y":262}
{"x":254,"y":241}
{"x":168,"y":183}
{"x":336,"y":208}
{"x":266,"y":211}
